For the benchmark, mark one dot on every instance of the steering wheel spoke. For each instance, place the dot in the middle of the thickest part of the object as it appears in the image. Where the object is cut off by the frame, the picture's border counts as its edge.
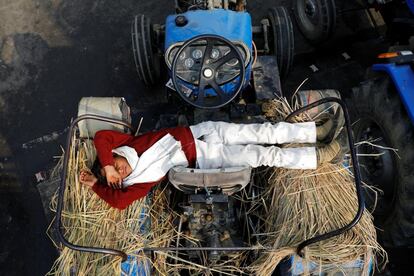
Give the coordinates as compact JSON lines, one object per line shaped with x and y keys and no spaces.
{"x":202,"y":87}
{"x":218,"y":63}
{"x":218,"y":89}
{"x":208,"y":50}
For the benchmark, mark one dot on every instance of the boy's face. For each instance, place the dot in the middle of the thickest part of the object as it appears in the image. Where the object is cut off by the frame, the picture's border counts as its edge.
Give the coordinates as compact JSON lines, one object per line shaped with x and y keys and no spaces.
{"x":122,"y":166}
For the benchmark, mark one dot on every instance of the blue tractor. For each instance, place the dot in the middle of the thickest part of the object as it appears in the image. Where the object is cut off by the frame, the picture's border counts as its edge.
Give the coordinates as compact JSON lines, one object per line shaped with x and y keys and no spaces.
{"x":214,"y":58}
{"x":207,"y":51}
{"x":384,"y":105}
{"x":210,"y":56}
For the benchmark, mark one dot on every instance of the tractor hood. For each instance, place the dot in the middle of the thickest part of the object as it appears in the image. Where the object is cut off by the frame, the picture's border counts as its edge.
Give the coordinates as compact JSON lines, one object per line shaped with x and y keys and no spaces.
{"x":235,"y":26}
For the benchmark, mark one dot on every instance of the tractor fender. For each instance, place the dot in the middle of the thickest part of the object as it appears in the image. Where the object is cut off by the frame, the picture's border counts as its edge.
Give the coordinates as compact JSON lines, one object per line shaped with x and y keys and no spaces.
{"x":403,"y":79}
{"x":410,"y":4}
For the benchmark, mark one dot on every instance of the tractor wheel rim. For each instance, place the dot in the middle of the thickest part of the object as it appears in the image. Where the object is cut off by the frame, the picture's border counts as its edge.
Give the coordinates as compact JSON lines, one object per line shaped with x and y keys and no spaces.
{"x":310,"y":8}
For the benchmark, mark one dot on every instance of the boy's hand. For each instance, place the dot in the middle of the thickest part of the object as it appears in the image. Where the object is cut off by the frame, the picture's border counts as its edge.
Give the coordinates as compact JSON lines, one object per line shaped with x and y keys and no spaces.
{"x":113,"y":178}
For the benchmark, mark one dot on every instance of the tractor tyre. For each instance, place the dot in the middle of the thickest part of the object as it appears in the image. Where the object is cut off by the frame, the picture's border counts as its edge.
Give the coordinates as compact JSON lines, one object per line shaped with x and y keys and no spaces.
{"x":281,"y":40}
{"x":381,"y":118}
{"x":145,"y":51}
{"x":316,"y":19}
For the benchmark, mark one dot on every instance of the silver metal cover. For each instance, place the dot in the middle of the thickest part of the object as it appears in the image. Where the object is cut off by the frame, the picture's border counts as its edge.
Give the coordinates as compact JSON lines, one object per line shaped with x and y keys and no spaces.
{"x":229,"y":180}
{"x":111,"y":107}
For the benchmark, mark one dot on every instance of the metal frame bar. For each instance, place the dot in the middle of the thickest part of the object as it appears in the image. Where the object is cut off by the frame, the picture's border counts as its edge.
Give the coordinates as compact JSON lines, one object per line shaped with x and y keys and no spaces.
{"x":355,"y":166}
{"x":62,"y":187}
{"x":123,"y":255}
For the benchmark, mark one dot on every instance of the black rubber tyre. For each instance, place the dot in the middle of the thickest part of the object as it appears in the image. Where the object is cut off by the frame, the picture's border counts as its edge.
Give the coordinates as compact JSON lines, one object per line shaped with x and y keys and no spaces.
{"x":316,"y":19}
{"x":380,"y":113}
{"x":145,"y":51}
{"x":281,"y":40}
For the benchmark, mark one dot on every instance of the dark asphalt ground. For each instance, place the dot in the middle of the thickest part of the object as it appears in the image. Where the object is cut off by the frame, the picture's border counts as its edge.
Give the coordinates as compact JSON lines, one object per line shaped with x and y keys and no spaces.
{"x":41,"y":87}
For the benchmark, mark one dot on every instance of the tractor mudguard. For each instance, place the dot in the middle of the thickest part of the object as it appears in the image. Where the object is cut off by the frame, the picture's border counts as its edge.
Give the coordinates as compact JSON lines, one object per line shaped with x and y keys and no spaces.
{"x":403,"y":79}
{"x":410,"y":4}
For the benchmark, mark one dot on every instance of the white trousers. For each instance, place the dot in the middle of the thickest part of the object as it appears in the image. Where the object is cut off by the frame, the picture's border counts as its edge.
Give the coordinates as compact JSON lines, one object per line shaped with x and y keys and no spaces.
{"x":222,"y":145}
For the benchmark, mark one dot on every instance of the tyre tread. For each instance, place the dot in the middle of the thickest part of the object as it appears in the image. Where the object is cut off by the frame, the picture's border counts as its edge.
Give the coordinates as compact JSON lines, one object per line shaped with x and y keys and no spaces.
{"x":143,"y":52}
{"x":376,"y":98}
{"x":283,"y":38}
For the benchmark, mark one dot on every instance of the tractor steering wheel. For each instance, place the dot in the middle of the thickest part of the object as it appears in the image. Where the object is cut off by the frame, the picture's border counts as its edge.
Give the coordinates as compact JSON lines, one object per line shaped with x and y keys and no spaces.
{"x":208,"y":71}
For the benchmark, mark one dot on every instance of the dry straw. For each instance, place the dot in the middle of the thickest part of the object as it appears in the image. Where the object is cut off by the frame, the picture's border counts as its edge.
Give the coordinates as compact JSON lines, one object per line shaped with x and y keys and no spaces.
{"x":150,"y":222}
{"x":300,"y":204}
{"x":294,"y":205}
{"x":89,"y":221}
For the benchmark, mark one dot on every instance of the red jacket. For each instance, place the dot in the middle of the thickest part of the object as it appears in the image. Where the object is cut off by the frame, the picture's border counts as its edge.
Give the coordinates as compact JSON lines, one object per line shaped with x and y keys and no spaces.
{"x":106,"y":140}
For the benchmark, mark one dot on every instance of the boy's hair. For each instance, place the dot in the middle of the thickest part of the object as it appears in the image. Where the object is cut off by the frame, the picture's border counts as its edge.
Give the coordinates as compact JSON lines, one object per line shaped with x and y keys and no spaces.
{"x":97,"y":171}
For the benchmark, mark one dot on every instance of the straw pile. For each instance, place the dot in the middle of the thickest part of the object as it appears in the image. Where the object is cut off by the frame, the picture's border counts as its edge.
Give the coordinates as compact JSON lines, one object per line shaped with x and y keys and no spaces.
{"x":300,"y":204}
{"x":87,"y":220}
{"x":293,"y":205}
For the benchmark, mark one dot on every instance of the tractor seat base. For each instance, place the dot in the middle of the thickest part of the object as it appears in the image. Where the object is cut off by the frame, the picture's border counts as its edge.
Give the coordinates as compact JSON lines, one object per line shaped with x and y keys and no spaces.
{"x":228,"y":180}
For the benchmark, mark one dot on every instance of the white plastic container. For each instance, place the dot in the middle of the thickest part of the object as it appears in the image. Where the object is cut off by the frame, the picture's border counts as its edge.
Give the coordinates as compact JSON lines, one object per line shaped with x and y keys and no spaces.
{"x":111,"y":107}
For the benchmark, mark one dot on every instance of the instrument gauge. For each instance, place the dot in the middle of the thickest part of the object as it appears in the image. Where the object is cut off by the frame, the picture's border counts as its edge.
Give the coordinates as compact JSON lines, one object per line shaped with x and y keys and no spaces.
{"x":189,"y":62}
{"x":197,"y":54}
{"x":215,"y":53}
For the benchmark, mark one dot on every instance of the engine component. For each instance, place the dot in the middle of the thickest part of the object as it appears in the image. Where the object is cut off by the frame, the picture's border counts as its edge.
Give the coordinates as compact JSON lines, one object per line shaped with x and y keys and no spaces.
{"x":211,"y":219}
{"x":186,"y":5}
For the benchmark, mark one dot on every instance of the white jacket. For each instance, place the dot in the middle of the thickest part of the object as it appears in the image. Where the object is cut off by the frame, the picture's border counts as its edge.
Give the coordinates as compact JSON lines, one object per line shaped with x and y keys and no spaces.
{"x":156,"y":161}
